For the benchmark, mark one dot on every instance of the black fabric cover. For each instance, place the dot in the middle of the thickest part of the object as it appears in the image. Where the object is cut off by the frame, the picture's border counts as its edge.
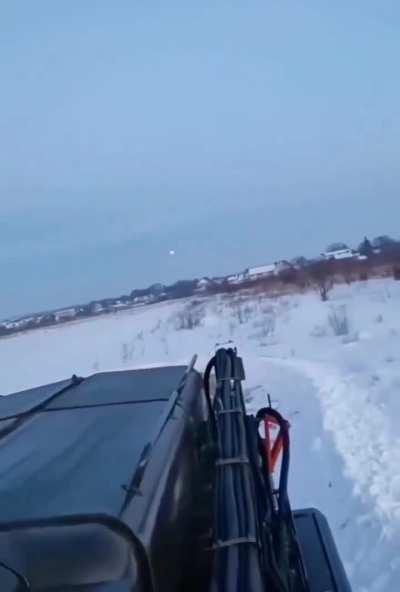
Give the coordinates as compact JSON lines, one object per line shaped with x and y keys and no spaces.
{"x":23,"y":401}
{"x":76,"y":455}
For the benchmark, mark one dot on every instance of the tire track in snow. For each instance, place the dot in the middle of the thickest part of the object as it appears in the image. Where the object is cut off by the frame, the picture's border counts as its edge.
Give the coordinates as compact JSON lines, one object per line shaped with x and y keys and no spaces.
{"x":361,"y":432}
{"x":369,"y":538}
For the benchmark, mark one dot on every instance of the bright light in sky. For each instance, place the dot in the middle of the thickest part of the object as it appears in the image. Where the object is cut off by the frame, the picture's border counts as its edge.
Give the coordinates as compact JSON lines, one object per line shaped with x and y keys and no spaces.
{"x":172,"y":252}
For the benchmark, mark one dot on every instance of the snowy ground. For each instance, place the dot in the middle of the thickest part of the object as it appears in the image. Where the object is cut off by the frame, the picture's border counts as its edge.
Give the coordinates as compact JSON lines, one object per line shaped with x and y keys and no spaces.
{"x":340,"y":393}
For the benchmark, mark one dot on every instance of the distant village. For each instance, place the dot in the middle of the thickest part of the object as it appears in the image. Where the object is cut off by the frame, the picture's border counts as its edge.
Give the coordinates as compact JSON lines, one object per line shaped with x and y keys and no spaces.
{"x":379,"y":257}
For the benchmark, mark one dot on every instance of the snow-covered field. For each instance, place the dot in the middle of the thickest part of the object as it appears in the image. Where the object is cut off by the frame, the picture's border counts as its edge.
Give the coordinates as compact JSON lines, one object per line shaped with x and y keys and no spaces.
{"x":332,"y":368}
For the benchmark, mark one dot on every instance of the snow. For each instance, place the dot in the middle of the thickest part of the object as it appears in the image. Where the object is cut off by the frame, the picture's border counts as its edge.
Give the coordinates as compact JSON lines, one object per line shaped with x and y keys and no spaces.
{"x":332,"y":368}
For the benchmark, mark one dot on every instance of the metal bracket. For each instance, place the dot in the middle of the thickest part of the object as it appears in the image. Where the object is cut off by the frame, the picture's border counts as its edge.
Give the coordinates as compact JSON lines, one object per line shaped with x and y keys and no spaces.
{"x":235,"y":460}
{"x":234,"y":542}
{"x":233,"y":410}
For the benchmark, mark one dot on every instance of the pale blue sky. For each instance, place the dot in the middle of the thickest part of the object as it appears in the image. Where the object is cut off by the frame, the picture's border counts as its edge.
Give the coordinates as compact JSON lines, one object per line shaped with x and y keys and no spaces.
{"x":233,"y":132}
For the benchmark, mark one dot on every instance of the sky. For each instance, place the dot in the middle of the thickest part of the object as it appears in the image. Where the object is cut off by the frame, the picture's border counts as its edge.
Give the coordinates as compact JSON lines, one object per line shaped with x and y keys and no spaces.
{"x":235,"y":133}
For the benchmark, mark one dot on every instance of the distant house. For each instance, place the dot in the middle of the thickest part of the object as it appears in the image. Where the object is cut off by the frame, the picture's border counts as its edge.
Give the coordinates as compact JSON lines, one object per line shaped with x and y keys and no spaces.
{"x":18,"y":324}
{"x":283,"y":266}
{"x":202,"y":284}
{"x":27,"y":321}
{"x":10,"y":325}
{"x":118,"y":304}
{"x":261,"y":271}
{"x":63,"y":315}
{"x":47,"y":319}
{"x":142,"y":299}
{"x":219,"y":280}
{"x":340,"y":254}
{"x":156,"y":290}
{"x":96,"y":308}
{"x":236,"y":278}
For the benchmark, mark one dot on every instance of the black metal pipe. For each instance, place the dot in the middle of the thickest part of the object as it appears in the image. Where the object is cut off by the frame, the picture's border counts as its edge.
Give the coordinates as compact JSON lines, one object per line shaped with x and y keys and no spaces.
{"x":238,"y":564}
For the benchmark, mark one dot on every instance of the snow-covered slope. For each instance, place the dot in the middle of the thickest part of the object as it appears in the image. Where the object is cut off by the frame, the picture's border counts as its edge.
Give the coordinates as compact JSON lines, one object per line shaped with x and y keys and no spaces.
{"x":332,"y":368}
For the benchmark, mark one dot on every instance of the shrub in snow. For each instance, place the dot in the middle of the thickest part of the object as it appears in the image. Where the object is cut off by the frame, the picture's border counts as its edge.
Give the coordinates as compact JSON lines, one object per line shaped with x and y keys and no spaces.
{"x":267,"y":309}
{"x":387,"y":292}
{"x":269,"y":324}
{"x":248,"y":311}
{"x":396,"y":272}
{"x":156,"y":327}
{"x":379,"y":319}
{"x":351,"y":338}
{"x":266,"y":325}
{"x":242,"y":311}
{"x":190,"y":317}
{"x":165,"y":345}
{"x":126,"y":352}
{"x":338,"y":320}
{"x":319,"y":331}
{"x":284,"y":303}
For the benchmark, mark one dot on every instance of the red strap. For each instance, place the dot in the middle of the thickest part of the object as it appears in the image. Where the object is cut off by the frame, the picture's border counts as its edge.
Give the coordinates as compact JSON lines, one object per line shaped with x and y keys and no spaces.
{"x":272,"y":452}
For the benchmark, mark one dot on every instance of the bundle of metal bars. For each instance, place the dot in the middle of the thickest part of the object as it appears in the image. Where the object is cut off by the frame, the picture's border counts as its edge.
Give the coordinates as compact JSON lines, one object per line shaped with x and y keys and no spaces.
{"x":237,"y":541}
{"x":255,"y":544}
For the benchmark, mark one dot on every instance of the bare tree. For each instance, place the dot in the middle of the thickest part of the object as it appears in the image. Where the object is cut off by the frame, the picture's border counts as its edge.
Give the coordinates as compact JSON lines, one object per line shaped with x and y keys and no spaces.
{"x":383,"y":242}
{"x":365,"y":248}
{"x":322,"y":278}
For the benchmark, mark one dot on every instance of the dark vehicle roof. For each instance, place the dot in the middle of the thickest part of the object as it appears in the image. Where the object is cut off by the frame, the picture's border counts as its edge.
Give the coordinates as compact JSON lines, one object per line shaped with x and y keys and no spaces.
{"x":62,"y":450}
